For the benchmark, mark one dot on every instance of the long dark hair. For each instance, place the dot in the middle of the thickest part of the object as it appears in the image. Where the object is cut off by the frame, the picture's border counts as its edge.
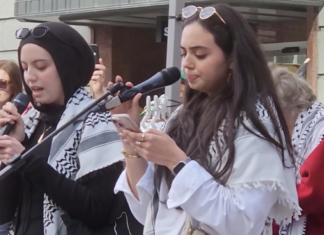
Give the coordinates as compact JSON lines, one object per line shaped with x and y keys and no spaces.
{"x":202,"y":116}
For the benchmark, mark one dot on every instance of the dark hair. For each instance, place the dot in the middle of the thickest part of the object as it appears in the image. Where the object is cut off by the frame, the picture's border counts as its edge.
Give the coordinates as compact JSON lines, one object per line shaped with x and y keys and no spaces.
{"x":201,"y":117}
{"x":13,"y":71}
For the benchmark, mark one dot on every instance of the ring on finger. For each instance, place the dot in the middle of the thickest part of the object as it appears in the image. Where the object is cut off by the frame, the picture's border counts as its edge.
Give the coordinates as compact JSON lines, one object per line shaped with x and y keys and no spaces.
{"x":143,"y":137}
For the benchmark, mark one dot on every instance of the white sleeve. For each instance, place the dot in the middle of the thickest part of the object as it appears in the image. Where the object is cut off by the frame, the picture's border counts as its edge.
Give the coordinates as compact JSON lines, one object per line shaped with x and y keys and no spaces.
{"x":145,"y":190}
{"x":218,"y":208}
{"x":4,"y":229}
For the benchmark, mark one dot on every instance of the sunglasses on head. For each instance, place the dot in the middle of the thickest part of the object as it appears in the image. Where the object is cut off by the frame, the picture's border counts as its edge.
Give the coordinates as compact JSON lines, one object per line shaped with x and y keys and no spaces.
{"x":4,"y":84}
{"x":204,"y":13}
{"x":37,"y":32}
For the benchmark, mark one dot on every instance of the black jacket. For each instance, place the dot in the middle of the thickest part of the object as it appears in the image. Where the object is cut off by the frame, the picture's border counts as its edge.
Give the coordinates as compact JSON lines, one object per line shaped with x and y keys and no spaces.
{"x":91,"y":206}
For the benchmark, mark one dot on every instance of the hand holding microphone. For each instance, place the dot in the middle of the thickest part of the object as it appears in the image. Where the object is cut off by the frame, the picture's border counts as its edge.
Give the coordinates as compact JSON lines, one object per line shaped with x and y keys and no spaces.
{"x":12,"y":128}
{"x":9,"y":147}
{"x":128,"y":99}
{"x":123,"y":104}
{"x":131,"y":107}
{"x":11,"y":122}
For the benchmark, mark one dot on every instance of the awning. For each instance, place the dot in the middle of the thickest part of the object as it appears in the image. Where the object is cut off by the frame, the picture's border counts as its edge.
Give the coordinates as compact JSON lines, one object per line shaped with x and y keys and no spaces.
{"x":143,"y":13}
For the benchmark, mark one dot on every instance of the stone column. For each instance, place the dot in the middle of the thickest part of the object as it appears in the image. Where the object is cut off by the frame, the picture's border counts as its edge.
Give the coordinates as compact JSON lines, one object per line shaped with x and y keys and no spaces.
{"x":312,"y":48}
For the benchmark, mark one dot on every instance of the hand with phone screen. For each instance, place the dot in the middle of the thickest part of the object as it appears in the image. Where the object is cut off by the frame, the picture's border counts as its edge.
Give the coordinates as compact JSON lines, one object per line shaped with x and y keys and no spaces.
{"x":126,"y":116}
{"x":97,"y":87}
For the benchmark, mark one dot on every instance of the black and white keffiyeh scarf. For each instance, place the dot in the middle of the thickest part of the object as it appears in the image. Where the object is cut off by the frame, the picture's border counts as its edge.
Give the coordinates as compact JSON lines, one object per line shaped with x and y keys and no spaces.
{"x":84,"y":147}
{"x":308,"y":133}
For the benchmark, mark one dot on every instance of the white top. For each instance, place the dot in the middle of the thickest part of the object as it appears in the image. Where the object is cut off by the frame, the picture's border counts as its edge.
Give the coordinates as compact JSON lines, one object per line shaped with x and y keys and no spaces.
{"x":258,"y":188}
{"x":197,"y":193}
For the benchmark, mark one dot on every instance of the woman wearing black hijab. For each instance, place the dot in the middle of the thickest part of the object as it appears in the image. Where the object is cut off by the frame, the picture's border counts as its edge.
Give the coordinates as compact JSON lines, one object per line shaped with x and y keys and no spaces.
{"x":67,"y":187}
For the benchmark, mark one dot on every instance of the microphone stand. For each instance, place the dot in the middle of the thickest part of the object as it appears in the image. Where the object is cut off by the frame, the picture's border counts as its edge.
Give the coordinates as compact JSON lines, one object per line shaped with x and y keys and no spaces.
{"x":17,"y":161}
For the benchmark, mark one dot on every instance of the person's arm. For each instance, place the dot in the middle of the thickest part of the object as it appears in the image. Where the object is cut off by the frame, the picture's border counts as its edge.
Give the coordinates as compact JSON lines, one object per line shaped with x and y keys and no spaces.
{"x":9,"y":192}
{"x":144,"y":189}
{"x":213,"y":200}
{"x":9,"y":196}
{"x":97,"y":80}
{"x":89,"y":199}
{"x":243,"y":205}
{"x":135,"y":170}
{"x":220,"y":209}
{"x":310,"y":189}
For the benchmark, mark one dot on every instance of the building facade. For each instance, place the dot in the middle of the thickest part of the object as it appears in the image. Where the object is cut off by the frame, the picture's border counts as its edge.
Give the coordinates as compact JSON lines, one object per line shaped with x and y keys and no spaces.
{"x":9,"y":24}
{"x":126,"y":30}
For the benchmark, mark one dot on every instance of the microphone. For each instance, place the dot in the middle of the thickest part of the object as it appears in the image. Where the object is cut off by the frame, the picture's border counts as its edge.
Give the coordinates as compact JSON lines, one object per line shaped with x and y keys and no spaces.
{"x":163,"y":78}
{"x":21,"y":101}
{"x":17,"y":161}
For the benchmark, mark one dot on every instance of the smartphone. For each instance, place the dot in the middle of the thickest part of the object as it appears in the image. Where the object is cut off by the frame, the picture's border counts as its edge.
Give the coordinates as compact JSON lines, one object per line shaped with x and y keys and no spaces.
{"x":124,"y":121}
{"x":95,"y":49}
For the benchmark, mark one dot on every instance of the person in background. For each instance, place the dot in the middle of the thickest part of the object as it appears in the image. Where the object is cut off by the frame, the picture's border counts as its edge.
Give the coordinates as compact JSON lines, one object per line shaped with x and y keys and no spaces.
{"x":10,"y":81}
{"x":96,"y":84}
{"x":225,"y":164}
{"x":66,"y":186}
{"x":305,"y":120}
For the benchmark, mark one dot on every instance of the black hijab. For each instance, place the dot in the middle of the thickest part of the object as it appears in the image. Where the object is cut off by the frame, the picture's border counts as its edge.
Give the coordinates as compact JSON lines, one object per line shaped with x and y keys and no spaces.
{"x":72,"y":57}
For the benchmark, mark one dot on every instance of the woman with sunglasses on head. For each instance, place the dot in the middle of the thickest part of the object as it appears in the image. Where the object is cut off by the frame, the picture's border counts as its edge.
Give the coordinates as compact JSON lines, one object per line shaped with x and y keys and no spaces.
{"x":224,"y":165}
{"x":10,"y":81}
{"x":66,"y":188}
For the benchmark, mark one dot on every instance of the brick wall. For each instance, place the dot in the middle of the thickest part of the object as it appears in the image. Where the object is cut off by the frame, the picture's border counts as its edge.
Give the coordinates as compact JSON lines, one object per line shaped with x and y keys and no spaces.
{"x":103,"y":38}
{"x":136,"y":55}
{"x":130,"y":52}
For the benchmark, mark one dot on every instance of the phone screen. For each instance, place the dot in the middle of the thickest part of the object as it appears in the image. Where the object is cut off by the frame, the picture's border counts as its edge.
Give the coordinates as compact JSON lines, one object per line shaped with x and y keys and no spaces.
{"x":95,"y":49}
{"x":123,"y":123}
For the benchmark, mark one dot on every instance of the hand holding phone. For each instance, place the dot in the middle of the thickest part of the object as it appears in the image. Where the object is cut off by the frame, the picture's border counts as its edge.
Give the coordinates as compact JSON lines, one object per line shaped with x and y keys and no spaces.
{"x":95,"y":49}
{"x":124,"y":121}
